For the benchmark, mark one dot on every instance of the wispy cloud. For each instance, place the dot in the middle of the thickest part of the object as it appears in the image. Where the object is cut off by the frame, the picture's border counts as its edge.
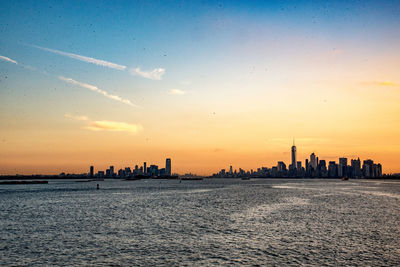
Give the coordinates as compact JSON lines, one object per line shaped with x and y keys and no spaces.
{"x":176,"y":92}
{"x":97,"y":90}
{"x":113,"y":126}
{"x":95,"y":61}
{"x":155,"y":74}
{"x":22,"y":65}
{"x":8,"y":59}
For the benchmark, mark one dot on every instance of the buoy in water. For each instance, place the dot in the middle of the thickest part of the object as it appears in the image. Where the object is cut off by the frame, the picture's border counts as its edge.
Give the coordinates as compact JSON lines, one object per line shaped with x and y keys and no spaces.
{"x":98,"y":186}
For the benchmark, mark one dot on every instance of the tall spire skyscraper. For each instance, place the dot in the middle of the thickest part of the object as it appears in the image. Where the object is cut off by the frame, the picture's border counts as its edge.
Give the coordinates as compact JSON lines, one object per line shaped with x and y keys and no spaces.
{"x":294,"y":160}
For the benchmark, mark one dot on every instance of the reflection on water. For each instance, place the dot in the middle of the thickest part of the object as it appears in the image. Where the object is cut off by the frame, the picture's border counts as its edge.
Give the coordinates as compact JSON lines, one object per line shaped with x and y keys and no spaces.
{"x":209,"y":222}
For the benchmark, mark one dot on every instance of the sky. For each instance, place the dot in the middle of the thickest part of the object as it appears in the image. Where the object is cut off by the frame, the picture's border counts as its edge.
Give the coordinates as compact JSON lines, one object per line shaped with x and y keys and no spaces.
{"x":208,"y":84}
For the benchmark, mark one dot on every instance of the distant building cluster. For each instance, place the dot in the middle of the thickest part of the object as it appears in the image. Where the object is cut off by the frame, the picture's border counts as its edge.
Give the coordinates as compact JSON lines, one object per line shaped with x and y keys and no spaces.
{"x":127,"y":172}
{"x":313,"y":168}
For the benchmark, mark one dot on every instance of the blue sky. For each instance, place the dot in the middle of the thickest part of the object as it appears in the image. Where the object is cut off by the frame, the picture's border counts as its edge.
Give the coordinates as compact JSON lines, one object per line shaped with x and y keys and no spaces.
{"x":173,"y":33}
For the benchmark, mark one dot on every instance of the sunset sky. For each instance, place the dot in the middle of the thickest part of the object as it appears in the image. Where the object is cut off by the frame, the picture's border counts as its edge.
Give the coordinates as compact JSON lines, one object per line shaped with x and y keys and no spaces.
{"x":207,"y":83}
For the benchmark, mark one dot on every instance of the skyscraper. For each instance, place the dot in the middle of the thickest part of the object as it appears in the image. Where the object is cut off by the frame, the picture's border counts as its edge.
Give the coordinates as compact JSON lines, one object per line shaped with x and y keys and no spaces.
{"x":91,"y":171}
{"x":342,"y":169}
{"x":281,"y":166}
{"x":332,"y":169}
{"x":112,"y":171}
{"x":299,"y":166}
{"x":379,"y":170}
{"x":168,"y":166}
{"x":356,"y":168}
{"x":144,"y":168}
{"x":307,"y":166}
{"x":323,"y":171}
{"x":294,"y":161}
{"x":153,"y":170}
{"x":368,"y":168}
{"x":313,"y":162}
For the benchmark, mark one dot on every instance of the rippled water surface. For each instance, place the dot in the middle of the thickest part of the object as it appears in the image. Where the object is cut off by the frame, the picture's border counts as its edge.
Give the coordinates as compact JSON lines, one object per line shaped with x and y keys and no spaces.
{"x":209,"y":222}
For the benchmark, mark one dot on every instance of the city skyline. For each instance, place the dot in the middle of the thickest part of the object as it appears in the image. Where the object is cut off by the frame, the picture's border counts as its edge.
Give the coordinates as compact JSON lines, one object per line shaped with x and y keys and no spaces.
{"x":314,"y":167}
{"x":127,"y":172}
{"x":207,"y":84}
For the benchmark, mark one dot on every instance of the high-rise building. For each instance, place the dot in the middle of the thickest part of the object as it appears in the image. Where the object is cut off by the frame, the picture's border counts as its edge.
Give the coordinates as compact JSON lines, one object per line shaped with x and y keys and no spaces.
{"x":307,"y":166}
{"x":379,"y":170}
{"x":144,"y":167}
{"x":356,"y":168}
{"x":153,"y":170}
{"x":370,"y":169}
{"x":342,"y":168}
{"x":323,"y":172}
{"x":294,"y":161}
{"x":332,"y":169}
{"x":91,"y":173}
{"x":281,"y":166}
{"x":299,"y":166}
{"x":112,"y":171}
{"x":168,"y":166}
{"x":313,"y":161}
{"x":367,"y":168}
{"x":230,"y":170}
{"x":162,"y":172}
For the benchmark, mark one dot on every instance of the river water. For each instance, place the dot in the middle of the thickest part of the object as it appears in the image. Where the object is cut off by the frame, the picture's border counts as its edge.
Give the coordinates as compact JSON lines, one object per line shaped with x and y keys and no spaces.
{"x":210,"y":222}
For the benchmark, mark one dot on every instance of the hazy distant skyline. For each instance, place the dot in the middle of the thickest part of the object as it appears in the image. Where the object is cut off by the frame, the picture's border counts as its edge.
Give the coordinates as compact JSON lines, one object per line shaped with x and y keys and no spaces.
{"x":208,"y":84}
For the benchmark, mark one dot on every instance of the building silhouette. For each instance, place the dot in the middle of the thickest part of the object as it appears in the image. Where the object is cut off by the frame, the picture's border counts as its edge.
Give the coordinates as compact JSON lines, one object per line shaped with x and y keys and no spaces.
{"x":313,"y":161}
{"x":294,"y":161}
{"x":356,"y":168}
{"x":281,"y":166}
{"x":332,"y":169}
{"x":168,"y":166}
{"x":342,"y":167}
